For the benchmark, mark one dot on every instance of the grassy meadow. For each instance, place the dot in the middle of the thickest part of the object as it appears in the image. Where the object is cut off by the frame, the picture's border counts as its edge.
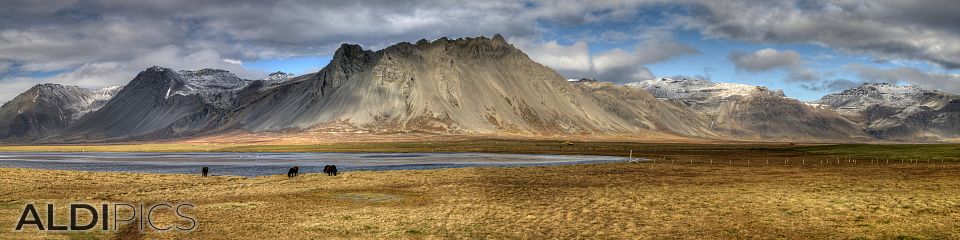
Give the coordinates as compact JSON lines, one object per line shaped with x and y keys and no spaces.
{"x":702,"y":191}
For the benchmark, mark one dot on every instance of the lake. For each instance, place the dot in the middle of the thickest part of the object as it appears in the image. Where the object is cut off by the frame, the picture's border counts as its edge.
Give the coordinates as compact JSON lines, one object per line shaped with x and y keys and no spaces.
{"x":258,"y":164}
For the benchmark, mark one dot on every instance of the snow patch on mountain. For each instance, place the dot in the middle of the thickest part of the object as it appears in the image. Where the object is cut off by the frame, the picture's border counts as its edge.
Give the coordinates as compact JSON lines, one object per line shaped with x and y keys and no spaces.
{"x":207,"y":80}
{"x":889,"y":111}
{"x":278,"y":77}
{"x":697,"y":89}
{"x":882,"y":94}
{"x":95,"y":99}
{"x":216,"y":87}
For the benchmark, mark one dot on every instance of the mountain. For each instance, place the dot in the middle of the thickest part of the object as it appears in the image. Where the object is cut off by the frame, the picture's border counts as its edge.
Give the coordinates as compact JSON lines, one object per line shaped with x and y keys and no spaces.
{"x":47,"y":109}
{"x":752,"y":112}
{"x":697,"y":92}
{"x":465,"y":86}
{"x":469,"y":85}
{"x":462,"y":86}
{"x":278,"y":77}
{"x":640,"y":108}
{"x":899,"y":112}
{"x":162,"y":103}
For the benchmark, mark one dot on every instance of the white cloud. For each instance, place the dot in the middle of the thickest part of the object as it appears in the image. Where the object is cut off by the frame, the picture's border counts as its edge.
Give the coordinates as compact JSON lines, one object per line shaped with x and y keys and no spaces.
{"x":885,"y":29}
{"x":615,"y":65}
{"x":574,"y":57}
{"x":928,"y":80}
{"x":233,"y":61}
{"x":769,"y":59}
{"x":103,"y":74}
{"x":66,"y":35}
{"x":765,"y":59}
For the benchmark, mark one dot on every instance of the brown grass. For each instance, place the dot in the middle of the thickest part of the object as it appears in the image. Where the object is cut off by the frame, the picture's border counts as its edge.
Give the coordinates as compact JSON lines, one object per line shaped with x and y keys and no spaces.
{"x":621,"y":200}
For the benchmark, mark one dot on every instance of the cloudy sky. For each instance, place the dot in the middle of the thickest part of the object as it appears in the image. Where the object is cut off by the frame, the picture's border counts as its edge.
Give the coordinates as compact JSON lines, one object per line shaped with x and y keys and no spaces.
{"x":807,"y":48}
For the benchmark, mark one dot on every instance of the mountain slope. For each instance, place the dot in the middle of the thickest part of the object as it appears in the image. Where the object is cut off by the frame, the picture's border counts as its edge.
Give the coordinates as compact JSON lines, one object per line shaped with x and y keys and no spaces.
{"x":47,"y":109}
{"x":161,"y":103}
{"x":640,"y":108}
{"x":472,"y":85}
{"x":751,"y":112}
{"x":899,"y":112}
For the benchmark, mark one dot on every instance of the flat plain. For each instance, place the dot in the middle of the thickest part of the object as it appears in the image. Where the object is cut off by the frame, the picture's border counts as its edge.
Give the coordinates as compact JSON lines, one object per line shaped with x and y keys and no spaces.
{"x":684,"y":191}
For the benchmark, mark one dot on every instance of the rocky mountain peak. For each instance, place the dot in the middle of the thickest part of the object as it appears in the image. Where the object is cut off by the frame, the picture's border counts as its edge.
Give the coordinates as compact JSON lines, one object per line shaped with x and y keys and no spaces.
{"x":883,"y":94}
{"x":498,"y":39}
{"x":350,"y":51}
{"x":214,"y":86}
{"x":470,"y":48}
{"x":156,"y":77}
{"x":47,"y":87}
{"x":884,"y":88}
{"x":158,"y":69}
{"x":892,"y":111}
{"x":278,"y":76}
{"x":48,"y":108}
{"x":683,"y":88}
{"x":211,"y":78}
{"x":350,"y":57}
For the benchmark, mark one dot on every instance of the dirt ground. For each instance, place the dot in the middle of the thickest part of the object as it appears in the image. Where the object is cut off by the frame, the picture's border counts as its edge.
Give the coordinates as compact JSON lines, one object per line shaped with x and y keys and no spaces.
{"x":618,"y":200}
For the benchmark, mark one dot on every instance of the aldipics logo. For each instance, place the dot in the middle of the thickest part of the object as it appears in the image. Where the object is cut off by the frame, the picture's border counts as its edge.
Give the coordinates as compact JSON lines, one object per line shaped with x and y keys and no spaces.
{"x":109,"y":217}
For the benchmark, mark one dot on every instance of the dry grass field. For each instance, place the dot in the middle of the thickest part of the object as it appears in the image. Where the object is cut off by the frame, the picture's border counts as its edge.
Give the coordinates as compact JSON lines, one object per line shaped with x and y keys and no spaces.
{"x":666,"y":199}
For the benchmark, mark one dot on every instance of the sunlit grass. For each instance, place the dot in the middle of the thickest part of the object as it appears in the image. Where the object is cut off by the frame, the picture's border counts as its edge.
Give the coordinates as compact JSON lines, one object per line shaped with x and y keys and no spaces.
{"x":622,"y":200}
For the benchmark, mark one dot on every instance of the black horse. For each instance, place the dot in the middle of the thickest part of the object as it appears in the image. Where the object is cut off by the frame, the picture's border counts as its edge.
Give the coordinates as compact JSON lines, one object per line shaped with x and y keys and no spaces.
{"x":330,"y":170}
{"x":293,"y":172}
{"x":205,"y":170}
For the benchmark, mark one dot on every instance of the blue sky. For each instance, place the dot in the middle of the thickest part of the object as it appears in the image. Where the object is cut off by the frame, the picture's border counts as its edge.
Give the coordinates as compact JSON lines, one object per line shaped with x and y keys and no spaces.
{"x":712,"y":60}
{"x":808,"y":48}
{"x":295,"y":65}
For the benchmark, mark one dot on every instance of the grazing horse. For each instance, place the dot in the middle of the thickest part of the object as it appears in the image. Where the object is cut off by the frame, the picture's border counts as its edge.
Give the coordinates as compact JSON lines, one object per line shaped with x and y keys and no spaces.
{"x":204,"y":171}
{"x":330,"y":170}
{"x":293,"y":172}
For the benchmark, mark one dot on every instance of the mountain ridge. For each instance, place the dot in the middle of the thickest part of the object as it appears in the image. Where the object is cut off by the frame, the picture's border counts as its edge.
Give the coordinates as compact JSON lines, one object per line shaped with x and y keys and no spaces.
{"x":463,"y":86}
{"x":48,"y":108}
{"x":894,"y":112}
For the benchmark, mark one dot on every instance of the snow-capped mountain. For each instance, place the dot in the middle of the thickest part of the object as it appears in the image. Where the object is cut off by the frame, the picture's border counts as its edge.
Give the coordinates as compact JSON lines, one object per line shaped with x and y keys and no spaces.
{"x":883,"y":94}
{"x":209,"y":80}
{"x":216,"y":87}
{"x":48,"y":108}
{"x":95,"y":99}
{"x":697,"y":89}
{"x":468,"y":85}
{"x":895,"y":112}
{"x":464,"y":86}
{"x":752,"y":112}
{"x":278,"y":77}
{"x":160,"y":102}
